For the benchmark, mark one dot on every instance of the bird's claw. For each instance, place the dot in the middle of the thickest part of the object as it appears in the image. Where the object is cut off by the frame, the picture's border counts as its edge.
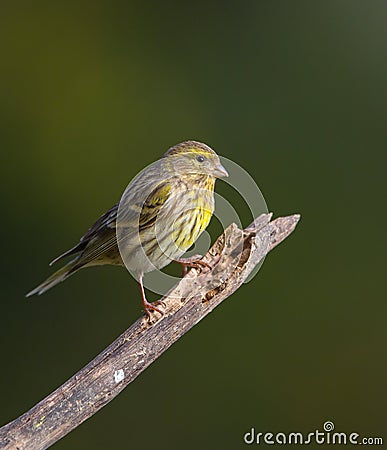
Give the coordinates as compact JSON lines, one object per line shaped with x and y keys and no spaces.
{"x":194,"y":261}
{"x":151,"y":306}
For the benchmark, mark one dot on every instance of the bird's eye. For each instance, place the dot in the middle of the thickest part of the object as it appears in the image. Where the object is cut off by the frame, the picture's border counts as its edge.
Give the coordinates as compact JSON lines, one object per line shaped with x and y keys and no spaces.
{"x":200,"y":158}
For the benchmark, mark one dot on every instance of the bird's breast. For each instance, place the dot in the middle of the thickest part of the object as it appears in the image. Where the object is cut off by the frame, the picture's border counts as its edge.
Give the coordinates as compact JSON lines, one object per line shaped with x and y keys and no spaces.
{"x":179,"y":223}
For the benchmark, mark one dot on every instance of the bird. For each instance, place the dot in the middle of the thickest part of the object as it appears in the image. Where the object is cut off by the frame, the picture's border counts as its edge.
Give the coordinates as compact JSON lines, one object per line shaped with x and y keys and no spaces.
{"x":161,"y":214}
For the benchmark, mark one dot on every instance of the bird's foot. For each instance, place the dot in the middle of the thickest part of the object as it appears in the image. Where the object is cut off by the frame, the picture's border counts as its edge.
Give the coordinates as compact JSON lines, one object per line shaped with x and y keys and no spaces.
{"x":194,"y":261}
{"x":151,"y":306}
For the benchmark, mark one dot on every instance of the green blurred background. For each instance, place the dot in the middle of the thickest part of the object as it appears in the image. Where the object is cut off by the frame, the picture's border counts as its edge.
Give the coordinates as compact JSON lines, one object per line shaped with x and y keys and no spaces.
{"x":90,"y":93}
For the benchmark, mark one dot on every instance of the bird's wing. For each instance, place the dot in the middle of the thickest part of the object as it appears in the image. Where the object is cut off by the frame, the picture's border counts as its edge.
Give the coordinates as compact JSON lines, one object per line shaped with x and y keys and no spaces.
{"x":102,"y":226}
{"x":106,"y":221}
{"x":153,"y":203}
{"x":101,"y":237}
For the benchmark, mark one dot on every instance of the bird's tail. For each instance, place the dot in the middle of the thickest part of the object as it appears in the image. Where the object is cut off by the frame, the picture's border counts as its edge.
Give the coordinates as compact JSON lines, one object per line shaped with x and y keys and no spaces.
{"x":56,"y":278}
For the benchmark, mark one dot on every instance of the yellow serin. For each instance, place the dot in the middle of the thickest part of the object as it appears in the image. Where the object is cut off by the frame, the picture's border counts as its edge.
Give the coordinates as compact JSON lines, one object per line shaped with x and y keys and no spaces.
{"x":167,"y":208}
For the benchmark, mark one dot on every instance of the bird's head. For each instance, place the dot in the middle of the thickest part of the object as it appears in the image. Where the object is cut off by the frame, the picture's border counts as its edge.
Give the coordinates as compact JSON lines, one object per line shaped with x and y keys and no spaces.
{"x":192,"y":157}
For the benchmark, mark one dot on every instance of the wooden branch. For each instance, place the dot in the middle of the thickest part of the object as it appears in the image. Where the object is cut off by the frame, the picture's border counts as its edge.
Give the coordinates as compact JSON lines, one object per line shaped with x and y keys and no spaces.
{"x":232,"y":258}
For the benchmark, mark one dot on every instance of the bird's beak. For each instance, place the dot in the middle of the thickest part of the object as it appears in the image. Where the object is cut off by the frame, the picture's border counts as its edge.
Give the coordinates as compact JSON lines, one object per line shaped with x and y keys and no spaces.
{"x":220,"y":171}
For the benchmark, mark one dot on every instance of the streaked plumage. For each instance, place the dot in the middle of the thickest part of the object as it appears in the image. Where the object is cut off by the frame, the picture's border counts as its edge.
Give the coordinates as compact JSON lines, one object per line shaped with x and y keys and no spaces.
{"x":161,"y":214}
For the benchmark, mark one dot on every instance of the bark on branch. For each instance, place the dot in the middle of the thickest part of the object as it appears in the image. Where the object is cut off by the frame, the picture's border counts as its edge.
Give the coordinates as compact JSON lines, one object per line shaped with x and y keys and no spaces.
{"x":233,"y":257}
